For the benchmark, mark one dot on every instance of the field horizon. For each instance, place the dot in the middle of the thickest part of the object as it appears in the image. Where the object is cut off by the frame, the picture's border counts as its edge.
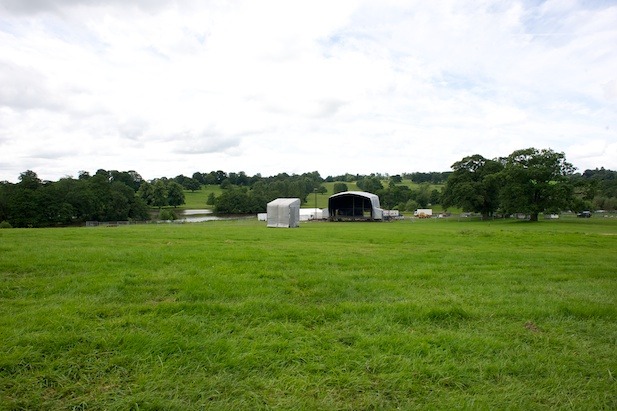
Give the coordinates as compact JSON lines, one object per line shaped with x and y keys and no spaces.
{"x":233,"y":315}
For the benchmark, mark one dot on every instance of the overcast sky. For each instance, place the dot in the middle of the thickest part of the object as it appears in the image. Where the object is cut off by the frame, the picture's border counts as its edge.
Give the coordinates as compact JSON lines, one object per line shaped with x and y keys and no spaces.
{"x":174,"y":87}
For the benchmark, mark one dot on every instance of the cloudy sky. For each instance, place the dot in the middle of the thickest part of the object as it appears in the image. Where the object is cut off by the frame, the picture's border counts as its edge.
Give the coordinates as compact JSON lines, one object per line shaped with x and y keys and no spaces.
{"x":174,"y":87}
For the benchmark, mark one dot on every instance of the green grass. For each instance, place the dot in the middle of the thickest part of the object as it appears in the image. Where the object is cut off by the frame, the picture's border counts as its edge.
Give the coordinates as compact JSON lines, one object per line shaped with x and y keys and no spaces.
{"x":233,"y":315}
{"x":197,"y":199}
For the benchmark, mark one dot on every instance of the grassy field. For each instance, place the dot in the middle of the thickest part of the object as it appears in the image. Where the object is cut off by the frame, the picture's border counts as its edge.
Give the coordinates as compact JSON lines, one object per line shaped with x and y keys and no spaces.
{"x":197,"y":199}
{"x":429,"y":314}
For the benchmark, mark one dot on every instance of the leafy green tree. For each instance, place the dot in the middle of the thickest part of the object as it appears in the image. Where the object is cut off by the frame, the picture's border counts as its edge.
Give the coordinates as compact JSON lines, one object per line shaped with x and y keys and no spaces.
{"x":191,"y":184}
{"x":23,"y":205}
{"x":130,"y":178}
{"x":118,"y":204}
{"x":175,"y":194}
{"x":211,"y":199}
{"x":99,"y":186}
{"x":435,"y":196}
{"x":394,"y":195}
{"x":536,"y":181}
{"x":604,"y":203}
{"x":159,"y":194}
{"x":370,"y":184}
{"x":474,"y":185}
{"x":53,"y":206}
{"x":220,"y":176}
{"x":340,"y":188}
{"x":146,"y":193}
{"x":599,"y":186}
{"x":138,"y":209}
{"x":29,"y":180}
{"x":422,"y":195}
{"x":210,"y":178}
{"x":239,"y":179}
{"x":80,"y":196}
{"x":5,"y":190}
{"x":234,"y":200}
{"x":199,"y":177}
{"x":411,"y":205}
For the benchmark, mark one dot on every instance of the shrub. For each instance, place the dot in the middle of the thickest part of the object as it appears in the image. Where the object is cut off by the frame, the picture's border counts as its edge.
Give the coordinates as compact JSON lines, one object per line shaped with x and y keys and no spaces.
{"x":167,"y":214}
{"x":5,"y":224}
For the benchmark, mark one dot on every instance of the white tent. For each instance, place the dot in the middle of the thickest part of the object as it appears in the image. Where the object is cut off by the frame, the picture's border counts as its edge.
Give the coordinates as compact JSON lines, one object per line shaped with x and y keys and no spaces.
{"x":284,"y":212}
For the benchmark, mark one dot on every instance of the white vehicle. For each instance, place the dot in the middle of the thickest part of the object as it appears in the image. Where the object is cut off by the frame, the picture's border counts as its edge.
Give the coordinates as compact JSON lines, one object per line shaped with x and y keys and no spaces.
{"x":423,"y":213}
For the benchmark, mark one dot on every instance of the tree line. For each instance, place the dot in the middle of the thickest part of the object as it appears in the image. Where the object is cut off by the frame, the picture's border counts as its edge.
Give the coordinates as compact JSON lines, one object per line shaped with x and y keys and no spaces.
{"x":252,"y":195}
{"x":528,"y":181}
{"x":432,"y":177}
{"x":105,"y":196}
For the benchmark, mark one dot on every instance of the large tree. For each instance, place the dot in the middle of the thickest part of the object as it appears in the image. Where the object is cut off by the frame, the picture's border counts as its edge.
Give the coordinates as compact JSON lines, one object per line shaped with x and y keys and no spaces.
{"x":474,"y":185}
{"x":159,"y":194}
{"x":536,"y":181}
{"x":175,"y":194}
{"x":370,"y":184}
{"x":394,"y":196}
{"x":340,"y":187}
{"x":191,"y":184}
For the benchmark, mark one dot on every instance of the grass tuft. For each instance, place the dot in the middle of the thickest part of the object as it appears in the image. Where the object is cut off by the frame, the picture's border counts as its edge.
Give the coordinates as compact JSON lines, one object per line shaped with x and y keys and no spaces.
{"x":447,"y":315}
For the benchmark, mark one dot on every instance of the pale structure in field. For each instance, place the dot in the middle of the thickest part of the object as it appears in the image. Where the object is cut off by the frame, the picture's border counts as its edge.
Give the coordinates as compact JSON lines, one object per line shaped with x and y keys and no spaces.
{"x":284,"y":212}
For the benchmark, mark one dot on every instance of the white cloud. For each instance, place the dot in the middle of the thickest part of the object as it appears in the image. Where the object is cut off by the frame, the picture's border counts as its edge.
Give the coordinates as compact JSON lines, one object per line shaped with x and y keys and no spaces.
{"x":610,"y":89}
{"x":353,"y":86}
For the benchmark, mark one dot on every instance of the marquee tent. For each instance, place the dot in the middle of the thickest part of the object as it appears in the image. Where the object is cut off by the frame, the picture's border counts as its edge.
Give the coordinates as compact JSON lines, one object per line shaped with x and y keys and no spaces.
{"x":284,"y":212}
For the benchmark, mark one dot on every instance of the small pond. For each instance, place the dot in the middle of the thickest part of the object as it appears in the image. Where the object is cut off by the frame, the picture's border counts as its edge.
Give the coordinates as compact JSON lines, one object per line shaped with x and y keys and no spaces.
{"x":201,"y":215}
